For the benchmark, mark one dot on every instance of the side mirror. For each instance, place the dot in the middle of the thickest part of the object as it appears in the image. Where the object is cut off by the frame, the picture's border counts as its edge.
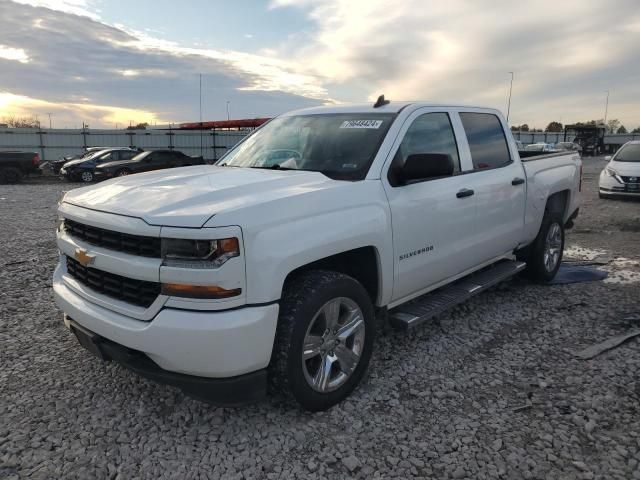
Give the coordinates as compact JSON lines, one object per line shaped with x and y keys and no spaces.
{"x":421,"y":166}
{"x":608,"y":158}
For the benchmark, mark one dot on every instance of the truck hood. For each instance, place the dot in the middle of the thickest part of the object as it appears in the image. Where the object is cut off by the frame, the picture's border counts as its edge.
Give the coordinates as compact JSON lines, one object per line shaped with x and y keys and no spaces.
{"x":189,"y":196}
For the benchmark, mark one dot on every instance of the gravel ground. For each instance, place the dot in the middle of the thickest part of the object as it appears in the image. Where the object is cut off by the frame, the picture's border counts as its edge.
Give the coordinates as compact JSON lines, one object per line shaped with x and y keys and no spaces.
{"x":491,"y":389}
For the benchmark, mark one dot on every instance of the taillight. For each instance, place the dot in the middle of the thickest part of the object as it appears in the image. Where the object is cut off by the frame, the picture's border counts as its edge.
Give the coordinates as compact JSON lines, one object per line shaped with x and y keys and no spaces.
{"x":36,"y":159}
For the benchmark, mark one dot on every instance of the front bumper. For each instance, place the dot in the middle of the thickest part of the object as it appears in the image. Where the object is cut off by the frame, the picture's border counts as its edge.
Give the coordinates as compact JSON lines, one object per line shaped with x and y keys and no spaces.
{"x":609,"y":185}
{"x":211,"y":344}
{"x":229,"y":391}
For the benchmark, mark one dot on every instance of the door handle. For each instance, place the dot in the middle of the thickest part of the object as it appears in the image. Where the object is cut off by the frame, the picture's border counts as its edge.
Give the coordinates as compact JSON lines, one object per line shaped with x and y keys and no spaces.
{"x":465,"y":192}
{"x":517,"y":181}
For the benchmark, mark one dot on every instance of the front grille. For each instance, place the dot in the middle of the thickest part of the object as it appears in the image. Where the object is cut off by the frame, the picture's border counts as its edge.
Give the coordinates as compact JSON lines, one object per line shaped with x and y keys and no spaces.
{"x":121,"y":242}
{"x":628,"y":179}
{"x":137,"y":292}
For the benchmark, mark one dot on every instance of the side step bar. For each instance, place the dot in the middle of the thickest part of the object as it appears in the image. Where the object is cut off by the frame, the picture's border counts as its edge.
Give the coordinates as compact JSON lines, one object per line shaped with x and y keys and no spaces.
{"x":416,"y":312}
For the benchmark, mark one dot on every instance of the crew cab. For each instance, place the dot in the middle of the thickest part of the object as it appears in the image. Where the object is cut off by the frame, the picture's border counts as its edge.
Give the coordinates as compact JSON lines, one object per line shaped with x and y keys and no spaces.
{"x":14,"y":165}
{"x":276,"y":265}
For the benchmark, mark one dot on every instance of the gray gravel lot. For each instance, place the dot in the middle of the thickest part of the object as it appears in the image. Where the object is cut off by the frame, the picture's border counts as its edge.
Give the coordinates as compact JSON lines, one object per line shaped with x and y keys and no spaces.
{"x":491,"y":389}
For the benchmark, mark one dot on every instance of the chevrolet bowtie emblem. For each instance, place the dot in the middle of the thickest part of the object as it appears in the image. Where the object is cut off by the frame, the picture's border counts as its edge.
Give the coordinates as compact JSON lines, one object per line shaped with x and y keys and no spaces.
{"x":83,"y":257}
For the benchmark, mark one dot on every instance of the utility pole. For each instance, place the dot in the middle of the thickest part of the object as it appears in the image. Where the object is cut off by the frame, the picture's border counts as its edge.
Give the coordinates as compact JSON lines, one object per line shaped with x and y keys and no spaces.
{"x":606,"y":108}
{"x":228,"y":102}
{"x":201,"y":146}
{"x":49,"y":120}
{"x":509,"y":104}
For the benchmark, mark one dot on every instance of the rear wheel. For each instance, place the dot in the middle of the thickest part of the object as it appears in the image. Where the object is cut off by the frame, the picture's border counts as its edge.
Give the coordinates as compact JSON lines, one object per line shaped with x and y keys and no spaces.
{"x":544,"y":256}
{"x":324,"y":339}
{"x":10,"y":175}
{"x":123,"y":173}
{"x":86,"y":176}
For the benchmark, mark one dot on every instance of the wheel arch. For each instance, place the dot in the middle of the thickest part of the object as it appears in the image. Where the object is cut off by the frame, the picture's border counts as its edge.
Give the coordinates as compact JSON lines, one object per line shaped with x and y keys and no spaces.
{"x":363,"y":264}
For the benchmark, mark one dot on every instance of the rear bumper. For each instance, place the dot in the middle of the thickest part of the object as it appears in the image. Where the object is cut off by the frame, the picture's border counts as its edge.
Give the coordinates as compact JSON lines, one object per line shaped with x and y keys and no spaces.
{"x":228,"y":391}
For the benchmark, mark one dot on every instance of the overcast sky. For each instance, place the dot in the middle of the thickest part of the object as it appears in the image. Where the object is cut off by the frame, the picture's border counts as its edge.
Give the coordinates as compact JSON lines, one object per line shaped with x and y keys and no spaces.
{"x":109,"y":62}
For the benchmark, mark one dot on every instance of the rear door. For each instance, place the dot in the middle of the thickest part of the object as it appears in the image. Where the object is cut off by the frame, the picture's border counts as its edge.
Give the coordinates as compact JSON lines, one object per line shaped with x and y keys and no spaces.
{"x":433,"y":223}
{"x":498,"y":182}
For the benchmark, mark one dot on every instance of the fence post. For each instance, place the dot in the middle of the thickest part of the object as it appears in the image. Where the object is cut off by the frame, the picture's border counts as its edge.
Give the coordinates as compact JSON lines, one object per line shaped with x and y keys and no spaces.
{"x":171,"y":134}
{"x":41,"y":144}
{"x":215,"y":152}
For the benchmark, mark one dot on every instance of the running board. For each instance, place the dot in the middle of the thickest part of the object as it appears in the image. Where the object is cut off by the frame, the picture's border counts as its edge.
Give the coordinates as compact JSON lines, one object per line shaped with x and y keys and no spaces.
{"x":416,"y":312}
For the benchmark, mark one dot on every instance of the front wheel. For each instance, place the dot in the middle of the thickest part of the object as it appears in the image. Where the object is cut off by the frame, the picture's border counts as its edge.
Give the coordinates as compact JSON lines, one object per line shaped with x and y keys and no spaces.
{"x":86,"y":176}
{"x":324,"y":339}
{"x":545,"y":254}
{"x":123,"y":173}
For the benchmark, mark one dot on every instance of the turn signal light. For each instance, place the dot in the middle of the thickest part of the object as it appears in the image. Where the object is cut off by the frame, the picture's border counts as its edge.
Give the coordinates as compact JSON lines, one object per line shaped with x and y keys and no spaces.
{"x":198,"y":291}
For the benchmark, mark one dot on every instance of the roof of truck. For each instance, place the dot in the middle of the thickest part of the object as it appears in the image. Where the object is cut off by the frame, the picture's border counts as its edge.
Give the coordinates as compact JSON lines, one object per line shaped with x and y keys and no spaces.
{"x":391,"y":107}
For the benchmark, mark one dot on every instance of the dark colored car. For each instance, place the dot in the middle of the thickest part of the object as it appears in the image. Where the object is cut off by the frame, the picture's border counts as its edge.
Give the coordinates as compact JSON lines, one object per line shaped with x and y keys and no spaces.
{"x":145,"y":162}
{"x":83,"y":169}
{"x":56,"y":165}
{"x":15,"y":165}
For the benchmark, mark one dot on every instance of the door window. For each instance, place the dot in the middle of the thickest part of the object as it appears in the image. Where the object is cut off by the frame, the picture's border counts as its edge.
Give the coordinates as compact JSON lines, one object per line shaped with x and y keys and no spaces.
{"x":429,"y":133}
{"x":126,"y":154}
{"x":487,"y":141}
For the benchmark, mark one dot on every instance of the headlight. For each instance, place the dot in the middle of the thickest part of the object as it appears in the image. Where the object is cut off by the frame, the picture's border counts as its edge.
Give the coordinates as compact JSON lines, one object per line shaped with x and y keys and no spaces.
{"x":178,"y":252}
{"x":610,"y":172}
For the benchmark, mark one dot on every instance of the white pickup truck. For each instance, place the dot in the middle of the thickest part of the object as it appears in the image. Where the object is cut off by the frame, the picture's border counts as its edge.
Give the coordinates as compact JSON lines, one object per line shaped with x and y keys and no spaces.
{"x":274,"y":266}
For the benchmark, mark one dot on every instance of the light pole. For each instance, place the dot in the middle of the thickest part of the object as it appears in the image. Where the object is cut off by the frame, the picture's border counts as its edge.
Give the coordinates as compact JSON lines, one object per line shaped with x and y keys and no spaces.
{"x":201,"y":140}
{"x":606,"y":108}
{"x":509,"y":103}
{"x":49,"y":120}
{"x":228,"y":117}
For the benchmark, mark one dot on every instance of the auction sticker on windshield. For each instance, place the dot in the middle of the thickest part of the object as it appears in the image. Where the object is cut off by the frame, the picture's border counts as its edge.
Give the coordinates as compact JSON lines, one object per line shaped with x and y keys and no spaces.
{"x":361,"y":124}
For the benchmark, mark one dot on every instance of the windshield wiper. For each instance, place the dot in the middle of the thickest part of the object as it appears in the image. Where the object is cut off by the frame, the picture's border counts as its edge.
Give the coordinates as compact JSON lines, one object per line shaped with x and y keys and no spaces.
{"x":275,"y":167}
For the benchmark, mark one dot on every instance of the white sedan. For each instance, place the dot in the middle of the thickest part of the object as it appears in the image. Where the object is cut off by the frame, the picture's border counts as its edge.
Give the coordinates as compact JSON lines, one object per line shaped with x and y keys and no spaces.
{"x":621,"y":176}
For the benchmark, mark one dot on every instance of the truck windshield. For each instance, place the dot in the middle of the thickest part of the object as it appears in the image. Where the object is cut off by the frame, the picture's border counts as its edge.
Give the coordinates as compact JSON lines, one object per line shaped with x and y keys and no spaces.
{"x":341,"y":146}
{"x":628,"y":153}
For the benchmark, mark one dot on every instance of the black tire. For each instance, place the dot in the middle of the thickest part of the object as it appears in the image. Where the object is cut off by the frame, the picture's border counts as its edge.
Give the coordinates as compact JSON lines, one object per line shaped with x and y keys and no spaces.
{"x":10,"y":175}
{"x":87,"y":176}
{"x":123,"y":172}
{"x":534,"y":254}
{"x":303,"y":297}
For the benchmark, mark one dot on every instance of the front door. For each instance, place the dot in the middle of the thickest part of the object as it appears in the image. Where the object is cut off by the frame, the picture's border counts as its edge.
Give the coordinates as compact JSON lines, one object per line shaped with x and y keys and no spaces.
{"x":433,"y":220}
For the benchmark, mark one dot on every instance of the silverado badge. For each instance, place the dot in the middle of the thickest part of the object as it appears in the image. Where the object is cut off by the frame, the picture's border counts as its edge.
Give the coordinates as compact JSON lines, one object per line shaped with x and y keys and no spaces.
{"x":83,"y":257}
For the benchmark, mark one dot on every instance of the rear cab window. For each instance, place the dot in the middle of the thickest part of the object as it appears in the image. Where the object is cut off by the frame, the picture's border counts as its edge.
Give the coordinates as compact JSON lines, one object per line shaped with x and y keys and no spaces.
{"x":487,"y":141}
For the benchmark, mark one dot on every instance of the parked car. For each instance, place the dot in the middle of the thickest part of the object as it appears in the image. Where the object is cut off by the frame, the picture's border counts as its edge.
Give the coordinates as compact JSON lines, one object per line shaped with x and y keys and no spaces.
{"x":568,"y":146}
{"x":621,"y":176}
{"x":83,"y":169}
{"x":539,"y":147}
{"x":15,"y":165}
{"x":218,"y":279}
{"x":56,"y":165}
{"x":145,"y":162}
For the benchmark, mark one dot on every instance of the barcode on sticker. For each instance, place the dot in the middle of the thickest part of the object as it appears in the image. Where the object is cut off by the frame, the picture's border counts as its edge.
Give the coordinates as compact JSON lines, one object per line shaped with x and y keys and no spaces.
{"x":361,"y":124}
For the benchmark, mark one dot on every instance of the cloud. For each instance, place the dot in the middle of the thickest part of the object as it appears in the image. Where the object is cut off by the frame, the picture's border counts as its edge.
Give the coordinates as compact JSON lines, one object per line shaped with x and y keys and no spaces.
{"x":17,"y":54}
{"x":114,"y":70}
{"x":565,"y":54}
{"x":69,"y":114}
